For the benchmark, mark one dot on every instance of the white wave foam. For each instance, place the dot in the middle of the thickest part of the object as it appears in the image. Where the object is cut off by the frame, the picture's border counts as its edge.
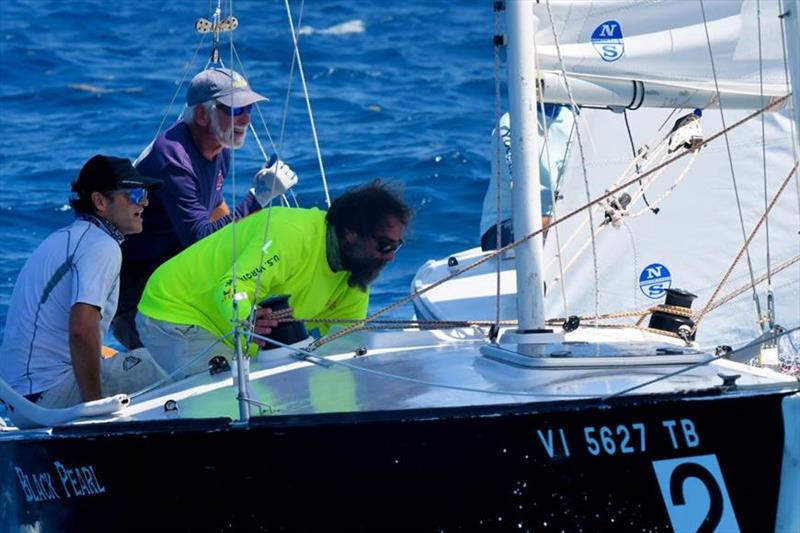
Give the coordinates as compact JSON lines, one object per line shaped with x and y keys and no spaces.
{"x":89,"y":88}
{"x":345,"y":28}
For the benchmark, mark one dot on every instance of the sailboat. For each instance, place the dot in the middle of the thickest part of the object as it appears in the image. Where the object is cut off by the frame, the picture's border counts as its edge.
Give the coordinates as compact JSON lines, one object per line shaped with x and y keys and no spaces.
{"x":456,"y":427}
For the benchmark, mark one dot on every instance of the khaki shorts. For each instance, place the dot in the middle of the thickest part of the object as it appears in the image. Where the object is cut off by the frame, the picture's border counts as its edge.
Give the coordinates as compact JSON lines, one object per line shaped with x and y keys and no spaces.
{"x":124,"y":373}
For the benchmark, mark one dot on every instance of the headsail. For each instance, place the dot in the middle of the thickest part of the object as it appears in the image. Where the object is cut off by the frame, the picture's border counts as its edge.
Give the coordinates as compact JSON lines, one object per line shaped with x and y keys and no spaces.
{"x":694,"y":236}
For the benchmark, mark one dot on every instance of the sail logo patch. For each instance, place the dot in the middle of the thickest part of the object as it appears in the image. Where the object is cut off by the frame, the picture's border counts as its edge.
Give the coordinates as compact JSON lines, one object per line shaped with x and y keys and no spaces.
{"x":607,"y":40}
{"x":654,"y":280}
{"x":695,"y":495}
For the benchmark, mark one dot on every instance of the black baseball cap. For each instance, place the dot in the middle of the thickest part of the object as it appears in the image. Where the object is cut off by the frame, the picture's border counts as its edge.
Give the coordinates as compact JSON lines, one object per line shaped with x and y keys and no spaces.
{"x":106,"y":173}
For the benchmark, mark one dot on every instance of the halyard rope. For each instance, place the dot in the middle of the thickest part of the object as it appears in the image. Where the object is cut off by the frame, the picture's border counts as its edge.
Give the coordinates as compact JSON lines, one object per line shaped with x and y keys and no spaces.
{"x":756,"y":301}
{"x":583,"y":161}
{"x":744,"y":249}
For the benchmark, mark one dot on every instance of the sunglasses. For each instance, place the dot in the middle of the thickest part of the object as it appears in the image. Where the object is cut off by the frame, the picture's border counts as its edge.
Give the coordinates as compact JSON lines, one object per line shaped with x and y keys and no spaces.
{"x":136,"y":196}
{"x":233,"y":111}
{"x":386,"y":246}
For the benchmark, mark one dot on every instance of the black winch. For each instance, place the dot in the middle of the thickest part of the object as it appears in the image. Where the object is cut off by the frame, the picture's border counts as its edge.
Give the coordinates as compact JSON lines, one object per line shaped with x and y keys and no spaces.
{"x":675,"y":314}
{"x":285,"y":332}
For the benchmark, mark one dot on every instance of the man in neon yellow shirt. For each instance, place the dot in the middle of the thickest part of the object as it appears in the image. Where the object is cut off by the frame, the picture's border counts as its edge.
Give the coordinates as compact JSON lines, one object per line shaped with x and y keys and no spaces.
{"x":324,"y":261}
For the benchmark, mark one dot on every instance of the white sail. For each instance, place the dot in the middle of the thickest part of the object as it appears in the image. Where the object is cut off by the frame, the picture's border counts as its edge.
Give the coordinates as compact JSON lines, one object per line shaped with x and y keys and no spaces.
{"x":665,"y":44}
{"x":697,"y":233}
{"x":693,"y":239}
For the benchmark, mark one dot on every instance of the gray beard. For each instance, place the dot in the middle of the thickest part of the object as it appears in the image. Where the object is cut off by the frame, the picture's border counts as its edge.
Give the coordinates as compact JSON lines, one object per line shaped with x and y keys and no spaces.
{"x":225,"y":138}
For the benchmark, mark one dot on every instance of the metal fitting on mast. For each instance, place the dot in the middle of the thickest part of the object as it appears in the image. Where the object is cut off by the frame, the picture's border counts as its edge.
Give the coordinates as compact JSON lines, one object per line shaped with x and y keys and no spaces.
{"x":216,"y":26}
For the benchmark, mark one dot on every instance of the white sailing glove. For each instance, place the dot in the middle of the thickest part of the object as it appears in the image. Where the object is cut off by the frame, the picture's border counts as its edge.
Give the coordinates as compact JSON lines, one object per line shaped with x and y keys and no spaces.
{"x":272,"y":180}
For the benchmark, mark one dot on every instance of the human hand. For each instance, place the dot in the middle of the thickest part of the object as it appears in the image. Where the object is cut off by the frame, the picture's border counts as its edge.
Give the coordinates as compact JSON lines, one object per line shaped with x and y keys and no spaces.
{"x":264,"y":322}
{"x":274,"y":179}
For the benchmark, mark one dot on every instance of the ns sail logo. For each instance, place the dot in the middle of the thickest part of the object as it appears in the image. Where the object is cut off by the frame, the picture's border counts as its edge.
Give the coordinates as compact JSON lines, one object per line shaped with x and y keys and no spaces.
{"x":607,"y":40}
{"x":654,"y":280}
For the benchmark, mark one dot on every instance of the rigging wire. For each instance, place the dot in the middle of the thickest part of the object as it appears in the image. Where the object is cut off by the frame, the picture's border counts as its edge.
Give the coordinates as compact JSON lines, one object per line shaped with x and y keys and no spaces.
{"x":792,"y":124}
{"x":265,"y":239}
{"x":648,"y":156}
{"x":254,"y":304}
{"x":653,"y":206}
{"x":608,"y":194}
{"x":308,"y":103}
{"x":257,"y":107}
{"x":179,"y":86}
{"x":498,"y":137}
{"x":172,"y":375}
{"x":583,"y":163}
{"x":753,"y":344}
{"x":554,"y":198}
{"x":234,"y":215}
{"x":640,"y":314}
{"x":555,"y":184}
{"x":287,"y":99}
{"x":552,"y":186}
{"x":756,"y":301}
{"x":635,"y":254}
{"x":763,"y":140}
{"x":309,"y":357}
{"x":744,"y":248}
{"x":733,"y":294}
{"x":633,"y":151}
{"x":770,"y":295}
{"x":290,"y":80}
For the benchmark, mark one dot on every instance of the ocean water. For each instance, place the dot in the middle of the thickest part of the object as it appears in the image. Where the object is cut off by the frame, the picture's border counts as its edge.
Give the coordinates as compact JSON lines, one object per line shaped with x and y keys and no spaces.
{"x":400,"y":90}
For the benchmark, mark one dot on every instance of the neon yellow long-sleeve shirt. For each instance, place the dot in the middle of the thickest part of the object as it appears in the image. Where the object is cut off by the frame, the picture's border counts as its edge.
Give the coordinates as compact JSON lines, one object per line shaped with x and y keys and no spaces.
{"x":196,"y":286}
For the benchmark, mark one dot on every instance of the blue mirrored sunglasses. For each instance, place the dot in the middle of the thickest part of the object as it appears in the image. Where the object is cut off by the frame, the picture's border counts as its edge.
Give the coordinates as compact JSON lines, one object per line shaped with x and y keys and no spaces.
{"x":136,"y":196}
{"x":233,"y":111}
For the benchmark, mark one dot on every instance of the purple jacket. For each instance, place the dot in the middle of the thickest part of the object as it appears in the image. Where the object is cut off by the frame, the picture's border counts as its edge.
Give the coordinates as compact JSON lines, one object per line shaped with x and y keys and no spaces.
{"x":178,"y":213}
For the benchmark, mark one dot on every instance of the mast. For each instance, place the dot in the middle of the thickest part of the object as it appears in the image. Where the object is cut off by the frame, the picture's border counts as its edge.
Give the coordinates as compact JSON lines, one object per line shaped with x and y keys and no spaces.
{"x":526,"y":201}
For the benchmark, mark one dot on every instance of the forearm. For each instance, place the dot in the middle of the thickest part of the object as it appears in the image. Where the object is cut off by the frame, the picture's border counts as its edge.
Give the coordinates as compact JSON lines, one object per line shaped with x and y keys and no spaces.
{"x":84,"y":346}
{"x":199,"y":225}
{"x":220,"y":211}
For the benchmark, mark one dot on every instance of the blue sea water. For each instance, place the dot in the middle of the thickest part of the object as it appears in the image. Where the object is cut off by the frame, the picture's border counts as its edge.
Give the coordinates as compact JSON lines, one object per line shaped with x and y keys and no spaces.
{"x":400,"y":90}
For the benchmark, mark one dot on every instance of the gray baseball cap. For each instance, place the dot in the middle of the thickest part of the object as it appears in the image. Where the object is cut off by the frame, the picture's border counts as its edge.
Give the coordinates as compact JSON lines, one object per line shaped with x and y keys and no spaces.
{"x":223,"y":84}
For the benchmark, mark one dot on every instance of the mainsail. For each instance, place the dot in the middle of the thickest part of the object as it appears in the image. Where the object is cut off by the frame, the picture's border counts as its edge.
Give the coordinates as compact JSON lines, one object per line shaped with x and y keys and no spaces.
{"x":664,"y":46}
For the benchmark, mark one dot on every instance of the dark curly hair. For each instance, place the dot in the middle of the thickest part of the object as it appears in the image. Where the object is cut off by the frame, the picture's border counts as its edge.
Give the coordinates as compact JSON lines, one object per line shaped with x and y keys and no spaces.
{"x":364,"y":209}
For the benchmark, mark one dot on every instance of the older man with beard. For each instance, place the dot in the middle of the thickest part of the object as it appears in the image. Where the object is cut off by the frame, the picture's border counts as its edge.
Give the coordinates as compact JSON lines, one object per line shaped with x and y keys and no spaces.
{"x":193,"y":158}
{"x":325,"y":262}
